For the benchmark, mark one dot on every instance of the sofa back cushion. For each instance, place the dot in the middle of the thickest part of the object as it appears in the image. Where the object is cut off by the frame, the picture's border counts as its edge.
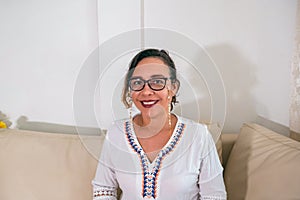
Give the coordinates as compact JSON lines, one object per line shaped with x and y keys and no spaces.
{"x":263,"y":165}
{"x":48,"y":166}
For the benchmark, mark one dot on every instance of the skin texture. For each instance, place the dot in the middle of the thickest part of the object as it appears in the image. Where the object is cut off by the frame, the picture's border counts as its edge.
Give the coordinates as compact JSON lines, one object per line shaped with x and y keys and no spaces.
{"x":152,"y":126}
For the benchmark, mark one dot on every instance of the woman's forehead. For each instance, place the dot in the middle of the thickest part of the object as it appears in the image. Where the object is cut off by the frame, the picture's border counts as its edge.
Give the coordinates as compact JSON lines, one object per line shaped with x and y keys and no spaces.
{"x":149,"y":67}
{"x":150,"y":70}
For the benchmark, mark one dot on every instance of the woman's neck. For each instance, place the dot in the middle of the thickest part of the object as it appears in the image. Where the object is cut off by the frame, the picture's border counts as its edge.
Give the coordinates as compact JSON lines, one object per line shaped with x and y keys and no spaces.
{"x":147,"y":126}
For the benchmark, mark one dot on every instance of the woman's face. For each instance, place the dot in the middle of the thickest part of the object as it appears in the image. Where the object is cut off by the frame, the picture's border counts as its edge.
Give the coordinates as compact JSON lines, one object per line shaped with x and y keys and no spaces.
{"x":150,"y":102}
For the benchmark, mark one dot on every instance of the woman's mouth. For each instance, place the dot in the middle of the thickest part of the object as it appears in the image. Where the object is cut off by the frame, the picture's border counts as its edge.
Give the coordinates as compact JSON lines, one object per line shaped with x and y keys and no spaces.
{"x":149,"y":103}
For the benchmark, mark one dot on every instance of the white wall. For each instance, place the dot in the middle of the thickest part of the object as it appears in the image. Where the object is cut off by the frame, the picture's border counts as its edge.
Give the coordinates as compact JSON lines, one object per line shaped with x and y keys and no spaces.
{"x":251,"y":43}
{"x":43,"y":45}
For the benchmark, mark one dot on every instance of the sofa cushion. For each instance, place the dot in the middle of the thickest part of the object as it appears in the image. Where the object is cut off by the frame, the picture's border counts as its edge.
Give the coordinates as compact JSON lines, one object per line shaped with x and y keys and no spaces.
{"x":38,"y":165}
{"x":263,"y":165}
{"x":228,"y":140}
{"x":295,"y":136}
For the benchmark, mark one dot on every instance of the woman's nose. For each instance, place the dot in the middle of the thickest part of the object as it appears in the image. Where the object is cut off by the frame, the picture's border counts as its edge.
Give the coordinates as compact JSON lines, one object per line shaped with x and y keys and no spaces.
{"x":147,"y":90}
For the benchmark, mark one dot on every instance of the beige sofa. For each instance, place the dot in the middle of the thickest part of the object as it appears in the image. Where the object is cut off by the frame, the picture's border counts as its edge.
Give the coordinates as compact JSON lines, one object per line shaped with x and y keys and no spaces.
{"x":259,"y":165}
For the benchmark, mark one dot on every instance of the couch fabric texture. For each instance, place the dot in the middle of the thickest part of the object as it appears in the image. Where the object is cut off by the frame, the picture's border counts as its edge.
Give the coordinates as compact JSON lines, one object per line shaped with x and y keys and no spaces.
{"x":259,"y":164}
{"x":46,"y":166}
{"x":263,"y":165}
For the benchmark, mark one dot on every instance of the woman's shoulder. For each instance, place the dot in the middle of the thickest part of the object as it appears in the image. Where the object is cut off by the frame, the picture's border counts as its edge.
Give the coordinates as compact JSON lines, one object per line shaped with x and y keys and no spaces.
{"x":115,"y":134}
{"x":117,"y":128}
{"x":199,"y":134}
{"x":197,"y":131}
{"x":191,"y":124}
{"x":118,"y":125}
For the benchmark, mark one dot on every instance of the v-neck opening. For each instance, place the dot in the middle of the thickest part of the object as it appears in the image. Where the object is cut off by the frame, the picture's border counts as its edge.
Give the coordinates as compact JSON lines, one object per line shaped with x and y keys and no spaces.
{"x":164,"y":147}
{"x":150,"y":170}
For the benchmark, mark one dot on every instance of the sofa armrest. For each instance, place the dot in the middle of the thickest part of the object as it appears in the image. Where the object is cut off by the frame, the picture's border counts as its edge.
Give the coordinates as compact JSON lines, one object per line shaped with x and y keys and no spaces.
{"x":295,"y":136}
{"x":228,"y":140}
{"x":263,"y":165}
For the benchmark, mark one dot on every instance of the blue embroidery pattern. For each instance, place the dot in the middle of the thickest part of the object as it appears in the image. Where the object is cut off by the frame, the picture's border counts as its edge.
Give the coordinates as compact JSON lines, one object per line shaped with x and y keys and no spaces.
{"x":150,"y":177}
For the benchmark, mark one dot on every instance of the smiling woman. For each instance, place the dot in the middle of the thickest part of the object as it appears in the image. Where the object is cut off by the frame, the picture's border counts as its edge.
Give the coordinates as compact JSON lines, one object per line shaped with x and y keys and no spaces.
{"x":157,"y":154}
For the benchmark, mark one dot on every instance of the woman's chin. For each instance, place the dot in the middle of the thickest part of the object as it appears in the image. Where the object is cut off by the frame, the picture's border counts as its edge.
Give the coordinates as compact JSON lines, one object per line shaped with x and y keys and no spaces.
{"x":157,"y":111}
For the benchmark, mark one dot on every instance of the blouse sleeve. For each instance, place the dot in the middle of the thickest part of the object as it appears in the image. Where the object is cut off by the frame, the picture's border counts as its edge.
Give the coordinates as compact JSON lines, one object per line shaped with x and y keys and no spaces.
{"x":105,"y":184}
{"x":211,"y":183}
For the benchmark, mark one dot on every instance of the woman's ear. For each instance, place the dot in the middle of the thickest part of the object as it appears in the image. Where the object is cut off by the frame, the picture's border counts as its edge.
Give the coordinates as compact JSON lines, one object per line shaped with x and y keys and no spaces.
{"x":174,"y":87}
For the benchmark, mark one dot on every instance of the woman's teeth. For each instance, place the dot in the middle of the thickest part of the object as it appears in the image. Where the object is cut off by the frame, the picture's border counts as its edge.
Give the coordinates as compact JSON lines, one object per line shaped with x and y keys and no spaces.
{"x":148,"y":103}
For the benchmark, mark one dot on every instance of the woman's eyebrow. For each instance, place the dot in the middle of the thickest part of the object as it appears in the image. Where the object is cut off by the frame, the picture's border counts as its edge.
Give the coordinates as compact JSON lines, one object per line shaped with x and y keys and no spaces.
{"x":137,"y":77}
{"x":157,"y":76}
{"x":153,"y":76}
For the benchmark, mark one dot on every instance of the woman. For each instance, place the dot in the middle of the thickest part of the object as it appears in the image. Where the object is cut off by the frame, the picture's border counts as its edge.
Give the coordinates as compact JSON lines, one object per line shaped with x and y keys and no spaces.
{"x":156,"y":154}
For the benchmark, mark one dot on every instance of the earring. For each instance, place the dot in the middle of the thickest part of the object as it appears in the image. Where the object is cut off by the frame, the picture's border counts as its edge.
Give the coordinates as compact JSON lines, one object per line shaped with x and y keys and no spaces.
{"x":129,"y":101}
{"x":169,"y":112}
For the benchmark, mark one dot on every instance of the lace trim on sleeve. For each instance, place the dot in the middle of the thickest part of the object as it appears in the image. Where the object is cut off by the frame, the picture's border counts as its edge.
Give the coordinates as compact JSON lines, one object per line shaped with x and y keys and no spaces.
{"x":213,"y":198}
{"x":104,"y":193}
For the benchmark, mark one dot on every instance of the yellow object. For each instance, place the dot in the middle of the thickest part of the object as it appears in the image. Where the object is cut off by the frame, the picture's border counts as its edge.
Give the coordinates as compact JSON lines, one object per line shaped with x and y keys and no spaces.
{"x":2,"y":124}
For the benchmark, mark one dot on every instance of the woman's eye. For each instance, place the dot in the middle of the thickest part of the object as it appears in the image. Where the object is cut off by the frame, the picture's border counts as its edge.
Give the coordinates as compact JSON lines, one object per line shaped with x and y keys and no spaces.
{"x":158,"y":81}
{"x":137,"y":82}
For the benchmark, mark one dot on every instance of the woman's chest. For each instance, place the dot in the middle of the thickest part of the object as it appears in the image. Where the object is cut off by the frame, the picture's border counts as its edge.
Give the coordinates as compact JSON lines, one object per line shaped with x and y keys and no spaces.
{"x":178,"y":179}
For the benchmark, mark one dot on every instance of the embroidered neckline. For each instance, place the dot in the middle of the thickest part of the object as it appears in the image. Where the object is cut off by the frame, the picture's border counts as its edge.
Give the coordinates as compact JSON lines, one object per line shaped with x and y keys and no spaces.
{"x":150,"y":176}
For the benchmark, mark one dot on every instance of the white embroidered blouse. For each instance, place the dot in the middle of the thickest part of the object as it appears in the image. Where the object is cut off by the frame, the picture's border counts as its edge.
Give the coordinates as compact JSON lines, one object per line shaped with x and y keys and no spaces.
{"x":187,"y":168}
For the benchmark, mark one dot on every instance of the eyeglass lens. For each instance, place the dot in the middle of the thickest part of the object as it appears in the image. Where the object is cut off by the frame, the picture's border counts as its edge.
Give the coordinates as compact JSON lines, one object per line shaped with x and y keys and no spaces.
{"x":155,"y":84}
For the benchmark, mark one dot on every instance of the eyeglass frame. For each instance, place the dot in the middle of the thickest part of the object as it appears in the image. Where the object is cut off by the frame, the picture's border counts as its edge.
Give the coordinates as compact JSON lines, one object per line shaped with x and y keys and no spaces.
{"x":147,"y":81}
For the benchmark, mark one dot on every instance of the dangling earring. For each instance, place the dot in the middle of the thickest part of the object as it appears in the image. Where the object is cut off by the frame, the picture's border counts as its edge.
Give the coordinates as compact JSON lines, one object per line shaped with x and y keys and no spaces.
{"x":129,"y":101}
{"x":169,"y":111}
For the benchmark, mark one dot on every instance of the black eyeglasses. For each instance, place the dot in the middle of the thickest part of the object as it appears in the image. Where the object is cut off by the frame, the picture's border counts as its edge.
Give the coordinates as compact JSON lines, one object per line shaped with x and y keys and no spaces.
{"x":156,"y":84}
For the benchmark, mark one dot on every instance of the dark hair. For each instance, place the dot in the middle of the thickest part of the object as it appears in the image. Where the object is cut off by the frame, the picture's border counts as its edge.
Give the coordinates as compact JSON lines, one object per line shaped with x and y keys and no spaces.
{"x":154,"y":53}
